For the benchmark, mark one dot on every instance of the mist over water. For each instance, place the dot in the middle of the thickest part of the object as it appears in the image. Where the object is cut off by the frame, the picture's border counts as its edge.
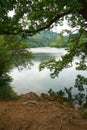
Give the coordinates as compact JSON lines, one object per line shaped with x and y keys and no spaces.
{"x":38,"y":82}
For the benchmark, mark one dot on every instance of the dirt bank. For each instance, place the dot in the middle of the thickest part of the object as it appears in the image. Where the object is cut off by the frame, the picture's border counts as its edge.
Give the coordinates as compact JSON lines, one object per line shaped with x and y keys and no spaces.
{"x":32,"y":112}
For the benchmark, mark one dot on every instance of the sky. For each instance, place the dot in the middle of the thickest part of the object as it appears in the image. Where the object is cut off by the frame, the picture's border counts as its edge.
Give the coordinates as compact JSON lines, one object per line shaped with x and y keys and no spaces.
{"x":65,"y":26}
{"x":59,"y":28}
{"x":11,"y":13}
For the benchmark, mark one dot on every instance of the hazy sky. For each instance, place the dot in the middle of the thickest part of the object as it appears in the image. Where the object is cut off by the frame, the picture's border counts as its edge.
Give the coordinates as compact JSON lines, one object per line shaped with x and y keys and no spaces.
{"x":59,"y":28}
{"x":65,"y":26}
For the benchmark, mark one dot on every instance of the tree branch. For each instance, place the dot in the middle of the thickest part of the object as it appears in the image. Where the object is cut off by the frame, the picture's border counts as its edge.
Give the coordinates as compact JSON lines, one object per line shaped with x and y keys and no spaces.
{"x":46,"y":26}
{"x":83,"y":11}
{"x":53,"y":20}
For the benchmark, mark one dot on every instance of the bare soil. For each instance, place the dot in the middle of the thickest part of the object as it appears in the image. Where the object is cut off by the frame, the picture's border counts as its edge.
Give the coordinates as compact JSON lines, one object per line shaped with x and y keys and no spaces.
{"x":32,"y":112}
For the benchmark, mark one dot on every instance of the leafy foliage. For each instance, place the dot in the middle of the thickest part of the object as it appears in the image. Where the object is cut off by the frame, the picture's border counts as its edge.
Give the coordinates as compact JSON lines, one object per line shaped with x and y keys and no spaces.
{"x":84,"y":114}
{"x":6,"y":91}
{"x":77,"y":47}
{"x":42,"y":39}
{"x":67,"y":94}
{"x":61,"y":41}
{"x":33,"y":16}
{"x":46,"y":38}
{"x":12,"y":53}
{"x":80,"y":82}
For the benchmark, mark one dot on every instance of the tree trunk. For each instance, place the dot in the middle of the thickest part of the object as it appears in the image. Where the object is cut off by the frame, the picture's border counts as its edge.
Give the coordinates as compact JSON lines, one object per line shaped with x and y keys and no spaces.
{"x":83,"y":11}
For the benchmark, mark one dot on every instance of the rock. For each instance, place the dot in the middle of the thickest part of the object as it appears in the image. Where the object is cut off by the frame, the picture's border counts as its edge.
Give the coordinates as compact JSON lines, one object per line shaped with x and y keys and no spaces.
{"x":31,"y":103}
{"x":30,"y":96}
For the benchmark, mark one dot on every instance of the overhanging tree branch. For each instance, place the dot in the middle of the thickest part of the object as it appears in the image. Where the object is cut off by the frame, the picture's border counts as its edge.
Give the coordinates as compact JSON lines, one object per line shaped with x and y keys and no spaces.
{"x":53,"y":20}
{"x":32,"y":32}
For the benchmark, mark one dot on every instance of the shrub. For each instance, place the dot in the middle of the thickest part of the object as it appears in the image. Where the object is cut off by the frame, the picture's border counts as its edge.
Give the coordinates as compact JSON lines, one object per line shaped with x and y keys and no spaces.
{"x":84,"y":114}
{"x":7,"y":93}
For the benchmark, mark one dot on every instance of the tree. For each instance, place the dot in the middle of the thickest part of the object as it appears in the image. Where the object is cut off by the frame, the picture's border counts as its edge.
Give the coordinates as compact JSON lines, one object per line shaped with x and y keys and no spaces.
{"x":32,"y":16}
{"x":42,"y":39}
{"x":12,"y":53}
{"x":60,"y":42}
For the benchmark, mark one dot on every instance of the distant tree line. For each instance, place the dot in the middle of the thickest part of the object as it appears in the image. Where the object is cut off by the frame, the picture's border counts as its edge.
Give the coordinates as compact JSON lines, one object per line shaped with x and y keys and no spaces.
{"x":46,"y":38}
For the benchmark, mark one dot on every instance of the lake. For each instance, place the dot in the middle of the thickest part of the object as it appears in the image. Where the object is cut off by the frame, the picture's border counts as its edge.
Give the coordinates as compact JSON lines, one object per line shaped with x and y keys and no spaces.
{"x":32,"y":80}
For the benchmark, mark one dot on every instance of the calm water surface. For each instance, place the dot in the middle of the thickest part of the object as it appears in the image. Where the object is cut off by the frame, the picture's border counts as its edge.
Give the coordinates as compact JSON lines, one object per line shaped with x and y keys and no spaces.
{"x":38,"y":82}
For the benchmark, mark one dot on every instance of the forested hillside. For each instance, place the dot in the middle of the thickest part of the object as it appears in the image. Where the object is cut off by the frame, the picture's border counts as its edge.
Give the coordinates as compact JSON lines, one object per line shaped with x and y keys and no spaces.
{"x":60,"y":41}
{"x":42,"y":39}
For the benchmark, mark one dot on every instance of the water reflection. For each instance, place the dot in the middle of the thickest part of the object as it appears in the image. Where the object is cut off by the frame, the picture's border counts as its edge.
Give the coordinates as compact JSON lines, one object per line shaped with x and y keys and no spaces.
{"x":39,"y":57}
{"x":33,"y":80}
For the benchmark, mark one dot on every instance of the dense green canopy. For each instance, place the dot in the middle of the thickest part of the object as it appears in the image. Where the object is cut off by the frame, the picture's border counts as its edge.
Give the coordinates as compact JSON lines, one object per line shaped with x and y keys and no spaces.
{"x":31,"y":16}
